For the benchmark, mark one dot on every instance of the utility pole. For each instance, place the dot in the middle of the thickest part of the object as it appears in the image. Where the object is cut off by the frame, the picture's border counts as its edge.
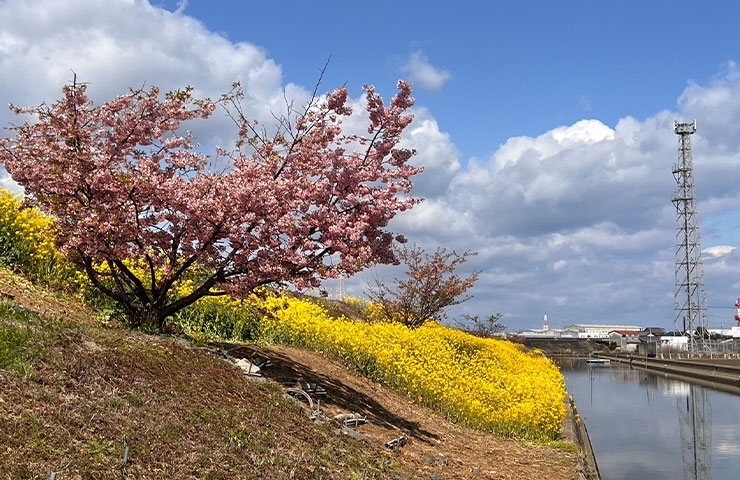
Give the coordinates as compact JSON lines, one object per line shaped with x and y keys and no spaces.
{"x":689,"y":291}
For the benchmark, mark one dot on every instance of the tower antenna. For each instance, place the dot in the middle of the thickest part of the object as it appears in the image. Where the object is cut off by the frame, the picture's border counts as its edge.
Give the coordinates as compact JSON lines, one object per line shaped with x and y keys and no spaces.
{"x":689,"y":311}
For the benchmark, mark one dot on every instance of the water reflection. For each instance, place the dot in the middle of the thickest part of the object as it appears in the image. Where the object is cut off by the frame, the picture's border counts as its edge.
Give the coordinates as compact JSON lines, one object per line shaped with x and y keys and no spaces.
{"x":695,"y":425}
{"x":644,"y":425}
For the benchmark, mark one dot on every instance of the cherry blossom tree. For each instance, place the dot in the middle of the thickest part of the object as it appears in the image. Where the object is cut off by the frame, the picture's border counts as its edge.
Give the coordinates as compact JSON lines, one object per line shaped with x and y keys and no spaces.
{"x":431,"y":285}
{"x":140,"y":209}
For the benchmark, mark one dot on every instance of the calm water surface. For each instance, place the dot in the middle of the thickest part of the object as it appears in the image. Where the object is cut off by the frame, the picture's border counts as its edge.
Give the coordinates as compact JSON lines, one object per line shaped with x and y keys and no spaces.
{"x":646,"y":426}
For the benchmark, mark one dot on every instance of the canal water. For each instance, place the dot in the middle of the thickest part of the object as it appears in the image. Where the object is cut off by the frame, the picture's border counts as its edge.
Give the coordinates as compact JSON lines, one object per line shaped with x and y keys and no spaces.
{"x":645,"y":426}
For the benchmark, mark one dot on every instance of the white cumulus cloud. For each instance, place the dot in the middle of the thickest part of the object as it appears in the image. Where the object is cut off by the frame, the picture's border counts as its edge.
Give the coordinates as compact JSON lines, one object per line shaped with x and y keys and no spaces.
{"x":424,"y":74}
{"x":719,"y":250}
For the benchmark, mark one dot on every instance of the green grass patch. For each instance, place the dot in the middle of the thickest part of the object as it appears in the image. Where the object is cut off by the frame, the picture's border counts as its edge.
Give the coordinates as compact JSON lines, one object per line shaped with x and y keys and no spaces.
{"x":19,"y":347}
{"x":563,"y":445}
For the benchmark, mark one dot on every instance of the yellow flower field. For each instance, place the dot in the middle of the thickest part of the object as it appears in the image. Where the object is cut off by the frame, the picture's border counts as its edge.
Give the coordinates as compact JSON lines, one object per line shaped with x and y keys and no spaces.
{"x":489,"y":384}
{"x":26,"y":235}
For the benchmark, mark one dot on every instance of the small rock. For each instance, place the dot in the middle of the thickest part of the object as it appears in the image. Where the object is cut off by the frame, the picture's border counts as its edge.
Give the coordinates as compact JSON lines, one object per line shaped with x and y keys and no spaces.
{"x":248,"y":367}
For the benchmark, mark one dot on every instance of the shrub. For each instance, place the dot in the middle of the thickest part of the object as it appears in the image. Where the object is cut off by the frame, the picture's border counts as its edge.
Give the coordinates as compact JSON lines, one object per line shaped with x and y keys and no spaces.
{"x":220,"y":318}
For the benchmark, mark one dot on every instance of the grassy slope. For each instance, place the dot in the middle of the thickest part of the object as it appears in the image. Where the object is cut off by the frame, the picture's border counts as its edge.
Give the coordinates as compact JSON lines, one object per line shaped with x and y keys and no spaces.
{"x":74,"y":394}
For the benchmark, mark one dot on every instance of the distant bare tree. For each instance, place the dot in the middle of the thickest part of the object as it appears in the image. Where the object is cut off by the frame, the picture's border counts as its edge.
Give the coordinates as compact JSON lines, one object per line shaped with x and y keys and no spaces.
{"x":483,"y":327}
{"x":431,"y":285}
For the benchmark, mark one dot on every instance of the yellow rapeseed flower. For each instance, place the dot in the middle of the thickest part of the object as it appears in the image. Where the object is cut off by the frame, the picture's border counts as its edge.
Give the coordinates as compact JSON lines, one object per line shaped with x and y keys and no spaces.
{"x":490,"y":384}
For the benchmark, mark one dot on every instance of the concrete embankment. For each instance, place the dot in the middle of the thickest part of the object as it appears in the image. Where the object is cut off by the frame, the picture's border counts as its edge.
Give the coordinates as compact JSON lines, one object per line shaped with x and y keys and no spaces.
{"x":575,"y":430}
{"x":714,"y":373}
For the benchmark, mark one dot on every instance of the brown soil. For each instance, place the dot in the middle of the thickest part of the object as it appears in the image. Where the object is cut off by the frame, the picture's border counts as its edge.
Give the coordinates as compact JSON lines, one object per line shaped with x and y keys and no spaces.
{"x":435,"y":445}
{"x":185,"y":412}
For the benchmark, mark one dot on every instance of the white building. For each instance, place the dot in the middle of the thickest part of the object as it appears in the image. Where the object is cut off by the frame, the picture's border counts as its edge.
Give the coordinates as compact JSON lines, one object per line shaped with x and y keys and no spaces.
{"x":733,"y":332}
{"x":597,"y":332}
{"x":677,"y":342}
{"x":624,"y":340}
{"x":541,"y":332}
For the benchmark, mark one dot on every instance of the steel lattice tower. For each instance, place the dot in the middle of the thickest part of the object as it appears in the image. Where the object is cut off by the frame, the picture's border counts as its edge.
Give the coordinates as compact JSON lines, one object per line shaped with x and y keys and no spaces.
{"x":689,"y":270}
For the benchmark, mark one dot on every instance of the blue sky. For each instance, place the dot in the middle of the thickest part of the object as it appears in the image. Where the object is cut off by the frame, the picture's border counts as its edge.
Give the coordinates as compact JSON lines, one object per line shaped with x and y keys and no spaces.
{"x":515,"y":68}
{"x":545,"y":128}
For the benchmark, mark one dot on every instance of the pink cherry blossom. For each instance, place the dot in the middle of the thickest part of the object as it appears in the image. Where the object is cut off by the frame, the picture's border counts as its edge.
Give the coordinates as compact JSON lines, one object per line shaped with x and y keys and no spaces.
{"x":127,"y":183}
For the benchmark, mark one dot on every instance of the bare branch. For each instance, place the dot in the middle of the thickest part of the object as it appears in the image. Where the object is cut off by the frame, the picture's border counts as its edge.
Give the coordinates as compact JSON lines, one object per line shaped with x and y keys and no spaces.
{"x":431,"y":285}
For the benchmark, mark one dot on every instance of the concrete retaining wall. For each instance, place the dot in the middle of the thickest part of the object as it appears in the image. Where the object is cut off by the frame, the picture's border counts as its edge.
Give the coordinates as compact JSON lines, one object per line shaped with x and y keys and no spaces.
{"x":719,"y":376}
{"x":575,"y":430}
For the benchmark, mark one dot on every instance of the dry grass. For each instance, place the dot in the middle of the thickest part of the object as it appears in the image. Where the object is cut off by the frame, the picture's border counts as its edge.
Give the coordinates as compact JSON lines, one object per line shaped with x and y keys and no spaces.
{"x":78,"y":394}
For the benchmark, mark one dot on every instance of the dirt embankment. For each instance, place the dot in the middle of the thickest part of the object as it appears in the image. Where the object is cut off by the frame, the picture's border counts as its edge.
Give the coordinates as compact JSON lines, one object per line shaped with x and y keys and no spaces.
{"x":90,"y":394}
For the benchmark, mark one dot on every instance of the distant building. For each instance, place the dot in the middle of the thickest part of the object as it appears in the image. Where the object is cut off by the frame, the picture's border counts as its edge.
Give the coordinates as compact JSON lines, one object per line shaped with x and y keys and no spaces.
{"x":540,"y":332}
{"x":733,"y":332}
{"x":597,"y":332}
{"x":674,"y":342}
{"x":654,"y":331}
{"x":653,"y":339}
{"x":624,"y":340}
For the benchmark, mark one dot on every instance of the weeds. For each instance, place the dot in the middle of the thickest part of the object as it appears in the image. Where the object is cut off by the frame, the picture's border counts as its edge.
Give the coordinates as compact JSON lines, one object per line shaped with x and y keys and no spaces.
{"x":18,"y":350}
{"x":220,"y":318}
